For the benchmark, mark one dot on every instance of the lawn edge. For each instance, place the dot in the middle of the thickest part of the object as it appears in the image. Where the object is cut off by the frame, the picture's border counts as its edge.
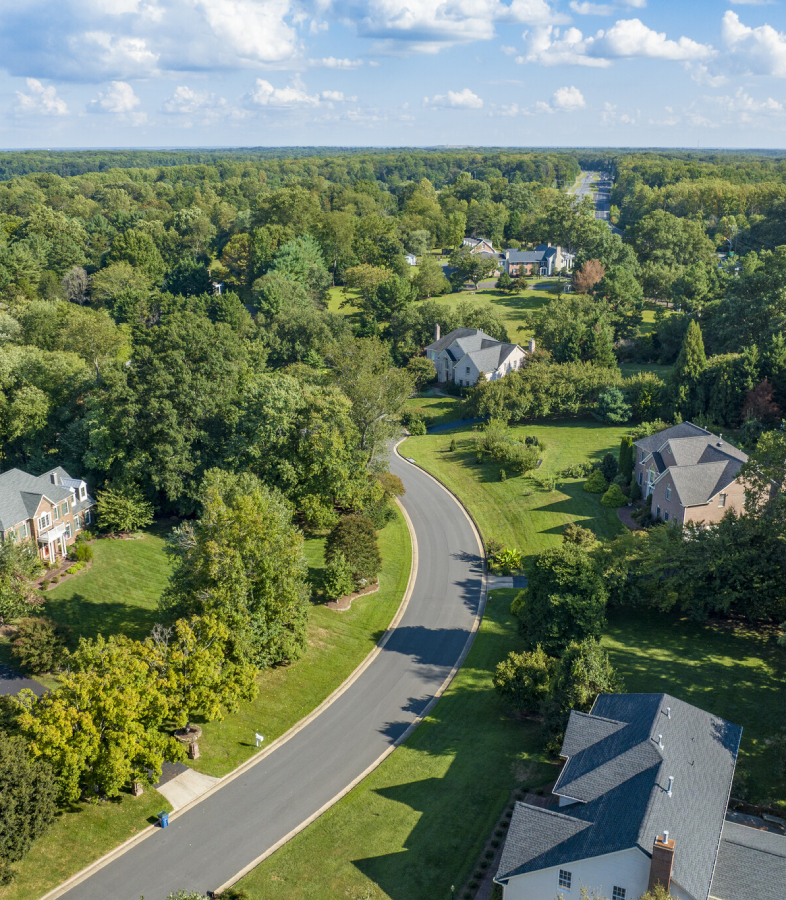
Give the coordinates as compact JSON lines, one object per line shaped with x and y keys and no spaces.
{"x":431,"y":704}
{"x":145,"y":833}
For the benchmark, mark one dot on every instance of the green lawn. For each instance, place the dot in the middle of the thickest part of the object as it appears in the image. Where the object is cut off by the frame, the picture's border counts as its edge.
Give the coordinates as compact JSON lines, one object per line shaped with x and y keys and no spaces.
{"x":338,"y":643}
{"x":436,"y":409}
{"x":518,"y":511}
{"x":417,"y":824}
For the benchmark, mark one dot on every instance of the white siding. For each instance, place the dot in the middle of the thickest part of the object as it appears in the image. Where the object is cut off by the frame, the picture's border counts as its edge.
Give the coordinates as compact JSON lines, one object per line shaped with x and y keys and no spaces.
{"x":629,"y":869}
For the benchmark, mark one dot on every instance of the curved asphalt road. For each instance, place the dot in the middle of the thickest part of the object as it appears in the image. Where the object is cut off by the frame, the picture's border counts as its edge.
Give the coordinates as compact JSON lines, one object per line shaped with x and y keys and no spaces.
{"x":209,"y":844}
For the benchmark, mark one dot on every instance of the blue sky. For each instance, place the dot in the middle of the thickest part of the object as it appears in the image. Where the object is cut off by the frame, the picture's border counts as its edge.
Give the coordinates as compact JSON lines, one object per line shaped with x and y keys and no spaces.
{"x":153,"y":73}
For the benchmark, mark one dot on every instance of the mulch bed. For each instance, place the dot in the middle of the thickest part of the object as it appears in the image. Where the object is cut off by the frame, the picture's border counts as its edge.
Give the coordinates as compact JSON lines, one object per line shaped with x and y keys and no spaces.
{"x":344,"y":603}
{"x":61,"y":573}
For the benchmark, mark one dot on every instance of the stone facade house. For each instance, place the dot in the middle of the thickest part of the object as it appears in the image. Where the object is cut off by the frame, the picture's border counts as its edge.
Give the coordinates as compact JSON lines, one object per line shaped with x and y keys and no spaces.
{"x":692,"y":474}
{"x":466,"y":355}
{"x":642,"y":800}
{"x":51,"y":509}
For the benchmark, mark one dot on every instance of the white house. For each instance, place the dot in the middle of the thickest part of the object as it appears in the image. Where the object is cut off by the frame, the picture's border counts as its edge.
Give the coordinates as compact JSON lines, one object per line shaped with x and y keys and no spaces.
{"x":411,"y":259}
{"x":544,"y":260}
{"x":478,"y":245}
{"x":642,"y":800}
{"x":466,"y":355}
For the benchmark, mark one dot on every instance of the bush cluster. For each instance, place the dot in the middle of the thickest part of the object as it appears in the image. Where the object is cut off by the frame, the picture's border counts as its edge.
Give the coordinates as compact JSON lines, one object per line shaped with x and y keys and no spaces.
{"x":497,"y":440}
{"x":41,"y":644}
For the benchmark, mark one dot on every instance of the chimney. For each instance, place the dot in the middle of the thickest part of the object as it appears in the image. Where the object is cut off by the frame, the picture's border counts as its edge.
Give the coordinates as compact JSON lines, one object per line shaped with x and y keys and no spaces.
{"x":661,"y":863}
{"x":436,"y":332}
{"x":532,"y":345}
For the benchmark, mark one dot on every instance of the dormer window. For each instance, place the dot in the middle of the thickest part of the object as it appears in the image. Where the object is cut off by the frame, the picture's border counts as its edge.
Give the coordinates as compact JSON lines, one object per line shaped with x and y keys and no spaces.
{"x":82,"y":492}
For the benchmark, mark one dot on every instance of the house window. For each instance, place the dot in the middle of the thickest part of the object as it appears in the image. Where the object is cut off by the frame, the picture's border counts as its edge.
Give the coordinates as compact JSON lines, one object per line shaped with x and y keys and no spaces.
{"x":88,"y":517}
{"x":44,"y":521}
{"x":82,"y":492}
{"x":68,"y":531}
{"x":77,"y":524}
{"x":641,"y":477}
{"x":722,"y":500}
{"x":56,"y":513}
{"x":24,"y":530}
{"x":467,"y":370}
{"x":617,"y":893}
{"x":657,"y":512}
{"x":642,"y":456}
{"x":64,"y":508}
{"x":668,"y":493}
{"x":665,"y":517}
{"x":564,"y":879}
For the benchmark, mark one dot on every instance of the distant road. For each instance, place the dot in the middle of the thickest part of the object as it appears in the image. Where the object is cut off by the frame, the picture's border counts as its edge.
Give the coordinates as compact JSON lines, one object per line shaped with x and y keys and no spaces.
{"x":601,"y":197}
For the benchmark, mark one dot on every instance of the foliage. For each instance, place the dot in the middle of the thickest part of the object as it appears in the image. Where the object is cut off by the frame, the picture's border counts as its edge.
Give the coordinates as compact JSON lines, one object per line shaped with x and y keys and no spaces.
{"x":82,"y":552}
{"x":588,"y":275}
{"x":242,"y":562}
{"x":196,"y":669}
{"x":40,"y":644}
{"x":627,"y":457}
{"x":355,"y":537}
{"x":496,"y":439}
{"x":28,"y":804}
{"x":20,"y":565}
{"x":575,"y":328}
{"x":565,"y":599}
{"x":609,"y":466}
{"x":596,"y":483}
{"x":686,"y":379}
{"x":123,"y":510}
{"x":644,"y":394}
{"x":576,"y":534}
{"x":522,"y":679}
{"x":338,"y":580}
{"x":614,"y":497}
{"x":422,"y":370}
{"x":505,"y":561}
{"x":612,"y":407}
{"x":77,"y":567}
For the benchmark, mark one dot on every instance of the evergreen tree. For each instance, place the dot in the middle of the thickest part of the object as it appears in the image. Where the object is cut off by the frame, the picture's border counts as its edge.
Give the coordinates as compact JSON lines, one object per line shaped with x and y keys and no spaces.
{"x":612,"y":407}
{"x":686,"y":378}
{"x":600,"y":346}
{"x":627,"y":457}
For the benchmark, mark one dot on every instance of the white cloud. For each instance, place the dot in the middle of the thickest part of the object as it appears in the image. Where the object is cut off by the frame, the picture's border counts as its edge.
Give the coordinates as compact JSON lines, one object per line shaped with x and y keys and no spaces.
{"x":337,"y":97}
{"x":745,"y":106}
{"x":465,"y":99}
{"x":330,"y":62}
{"x":508,"y":51}
{"x":256,"y":31}
{"x":626,"y":39}
{"x":41,"y":100}
{"x":702,"y":75}
{"x":187,"y":102}
{"x":568,"y":99}
{"x":119,"y":99}
{"x":105,"y":51}
{"x":290,"y":97}
{"x":760,"y":51}
{"x":752,"y":2}
{"x":374,"y":64}
{"x":591,"y":9}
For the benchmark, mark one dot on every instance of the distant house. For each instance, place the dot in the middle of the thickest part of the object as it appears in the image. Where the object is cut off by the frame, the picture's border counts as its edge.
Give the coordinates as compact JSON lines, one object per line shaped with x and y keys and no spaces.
{"x":466,"y":355}
{"x":544,"y":261}
{"x":692,"y":474}
{"x":51,"y":508}
{"x":479,"y":245}
{"x":411,"y":259}
{"x":641,"y":801}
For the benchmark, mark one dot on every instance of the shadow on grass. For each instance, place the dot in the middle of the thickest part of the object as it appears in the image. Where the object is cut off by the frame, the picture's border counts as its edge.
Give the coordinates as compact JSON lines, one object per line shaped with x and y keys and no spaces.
{"x":88,"y":619}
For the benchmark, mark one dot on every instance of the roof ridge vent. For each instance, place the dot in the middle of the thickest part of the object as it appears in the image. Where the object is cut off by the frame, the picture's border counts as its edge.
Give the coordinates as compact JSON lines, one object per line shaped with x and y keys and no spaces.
{"x":660,"y":742}
{"x":669,"y":791}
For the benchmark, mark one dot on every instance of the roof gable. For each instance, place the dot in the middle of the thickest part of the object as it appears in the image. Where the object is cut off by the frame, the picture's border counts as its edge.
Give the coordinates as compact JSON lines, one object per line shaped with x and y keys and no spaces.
{"x":21,"y":494}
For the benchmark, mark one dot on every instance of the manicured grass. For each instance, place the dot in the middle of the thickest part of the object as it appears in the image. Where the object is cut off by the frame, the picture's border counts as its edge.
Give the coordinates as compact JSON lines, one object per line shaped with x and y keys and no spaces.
{"x":417,"y":824}
{"x":338,"y":643}
{"x":734,"y":671}
{"x":629,"y":369}
{"x":518,"y":511}
{"x":437,"y":409}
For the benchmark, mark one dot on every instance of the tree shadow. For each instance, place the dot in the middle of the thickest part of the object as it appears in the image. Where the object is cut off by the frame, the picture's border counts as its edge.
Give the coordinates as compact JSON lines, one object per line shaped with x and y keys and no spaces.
{"x":88,"y":619}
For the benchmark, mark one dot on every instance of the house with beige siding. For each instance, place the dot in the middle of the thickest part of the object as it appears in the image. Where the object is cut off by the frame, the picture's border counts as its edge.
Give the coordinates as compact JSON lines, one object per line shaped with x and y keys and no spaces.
{"x":467,"y":355}
{"x":692,"y":474}
{"x":51,"y":509}
{"x":642,"y":800}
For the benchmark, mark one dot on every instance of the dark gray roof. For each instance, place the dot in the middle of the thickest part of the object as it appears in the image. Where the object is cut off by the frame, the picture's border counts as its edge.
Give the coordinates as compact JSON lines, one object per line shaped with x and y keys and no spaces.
{"x":696,"y":485}
{"x":751,"y":865}
{"x":490,"y":358}
{"x":657,"y":440}
{"x":624,"y":774}
{"x":446,"y":340}
{"x":20,"y":494}
{"x":525,"y":256}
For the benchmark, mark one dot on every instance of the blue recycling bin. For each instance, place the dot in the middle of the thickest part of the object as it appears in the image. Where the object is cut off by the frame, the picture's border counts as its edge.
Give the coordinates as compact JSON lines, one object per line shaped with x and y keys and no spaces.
{"x":163,"y":819}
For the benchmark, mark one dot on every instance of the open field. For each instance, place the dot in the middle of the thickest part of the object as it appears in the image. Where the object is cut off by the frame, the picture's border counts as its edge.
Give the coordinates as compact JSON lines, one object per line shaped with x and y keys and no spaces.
{"x":518,"y":511}
{"x":338,"y":642}
{"x":417,"y":824}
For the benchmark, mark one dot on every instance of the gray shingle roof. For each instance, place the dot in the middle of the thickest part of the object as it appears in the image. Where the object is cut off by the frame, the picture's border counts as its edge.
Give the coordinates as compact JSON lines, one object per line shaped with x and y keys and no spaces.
{"x":20,"y":494}
{"x":697,"y":484}
{"x":446,"y":340}
{"x":657,"y":440}
{"x":525,"y":256}
{"x":751,"y":865}
{"x":624,"y":775}
{"x":490,"y":358}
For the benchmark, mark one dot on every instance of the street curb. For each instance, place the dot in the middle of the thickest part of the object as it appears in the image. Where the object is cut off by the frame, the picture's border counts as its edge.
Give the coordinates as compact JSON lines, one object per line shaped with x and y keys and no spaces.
{"x":414,"y":724}
{"x":118,"y":851}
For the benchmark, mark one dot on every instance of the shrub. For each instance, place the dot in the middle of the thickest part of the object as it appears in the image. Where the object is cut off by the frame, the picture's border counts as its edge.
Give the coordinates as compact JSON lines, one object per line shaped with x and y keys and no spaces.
{"x":612,"y":407}
{"x":339,"y":580}
{"x":77,"y":567}
{"x":355,"y":537}
{"x":576,"y":534}
{"x":505,"y":561}
{"x":45,"y":584}
{"x":635,"y":491}
{"x":502,"y":475}
{"x":82,"y":552}
{"x":40,"y":644}
{"x":614,"y":497}
{"x":522,"y":679}
{"x":578,"y":470}
{"x":123,"y":510}
{"x":596,"y":483}
{"x":609,"y":466}
{"x":413,"y":421}
{"x":452,"y":445}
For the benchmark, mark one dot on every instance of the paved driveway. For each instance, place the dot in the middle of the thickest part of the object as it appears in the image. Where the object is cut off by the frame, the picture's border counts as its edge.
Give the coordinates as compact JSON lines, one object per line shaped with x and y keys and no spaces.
{"x":11,"y":682}
{"x":209,"y":844}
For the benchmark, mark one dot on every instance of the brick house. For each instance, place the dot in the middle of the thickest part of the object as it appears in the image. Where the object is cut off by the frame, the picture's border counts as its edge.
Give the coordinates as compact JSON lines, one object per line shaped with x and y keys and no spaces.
{"x":692,"y":474}
{"x":642,"y":800}
{"x":544,"y":260}
{"x":51,"y":509}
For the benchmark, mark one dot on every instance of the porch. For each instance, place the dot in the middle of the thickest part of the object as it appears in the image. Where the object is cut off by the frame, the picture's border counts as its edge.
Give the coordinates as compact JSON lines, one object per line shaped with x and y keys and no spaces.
{"x":52,"y":542}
